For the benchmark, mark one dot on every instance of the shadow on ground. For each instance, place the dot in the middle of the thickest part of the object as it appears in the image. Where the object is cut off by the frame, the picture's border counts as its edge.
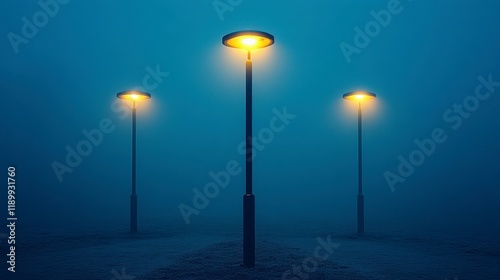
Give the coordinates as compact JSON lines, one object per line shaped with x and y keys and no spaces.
{"x":223,"y":261}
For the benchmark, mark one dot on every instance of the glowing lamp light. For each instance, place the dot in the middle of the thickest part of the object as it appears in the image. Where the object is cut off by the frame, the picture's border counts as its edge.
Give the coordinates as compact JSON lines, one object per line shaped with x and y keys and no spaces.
{"x":248,"y":40}
{"x":133,"y":95}
{"x":359,"y":95}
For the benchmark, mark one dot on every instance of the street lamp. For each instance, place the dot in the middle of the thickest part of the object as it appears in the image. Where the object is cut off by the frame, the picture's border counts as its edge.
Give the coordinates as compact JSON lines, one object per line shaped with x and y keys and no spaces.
{"x":360,"y":96}
{"x":134,"y":96}
{"x":249,"y":41}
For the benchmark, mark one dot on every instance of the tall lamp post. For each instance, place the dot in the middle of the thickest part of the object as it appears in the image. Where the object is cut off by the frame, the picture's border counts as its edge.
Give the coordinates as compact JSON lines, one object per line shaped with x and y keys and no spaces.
{"x":134,"y":96}
{"x":360,"y":96}
{"x":248,"y":40}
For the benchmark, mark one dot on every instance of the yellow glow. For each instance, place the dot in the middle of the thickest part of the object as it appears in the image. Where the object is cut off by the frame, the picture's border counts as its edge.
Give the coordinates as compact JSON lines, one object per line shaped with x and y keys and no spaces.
{"x":133,"y":95}
{"x":248,"y":40}
{"x":359,"y":96}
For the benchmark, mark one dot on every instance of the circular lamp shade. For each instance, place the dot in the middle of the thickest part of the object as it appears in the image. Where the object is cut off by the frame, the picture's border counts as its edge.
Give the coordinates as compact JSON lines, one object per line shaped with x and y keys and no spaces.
{"x":133,"y":95}
{"x":248,"y":40}
{"x":359,"y":95}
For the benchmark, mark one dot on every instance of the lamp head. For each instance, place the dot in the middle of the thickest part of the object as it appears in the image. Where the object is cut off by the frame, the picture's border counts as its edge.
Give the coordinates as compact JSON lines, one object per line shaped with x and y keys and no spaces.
{"x":133,"y":95}
{"x":359,"y":96}
{"x":248,"y":40}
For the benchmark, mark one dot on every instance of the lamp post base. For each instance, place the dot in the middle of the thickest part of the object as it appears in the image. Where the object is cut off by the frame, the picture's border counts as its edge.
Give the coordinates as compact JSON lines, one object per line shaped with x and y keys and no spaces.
{"x":248,"y":230}
{"x":133,"y":213}
{"x":361,"y":214}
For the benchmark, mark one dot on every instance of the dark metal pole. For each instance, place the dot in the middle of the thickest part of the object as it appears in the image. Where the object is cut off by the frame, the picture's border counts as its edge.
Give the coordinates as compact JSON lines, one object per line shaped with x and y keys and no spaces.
{"x":248,"y":125}
{"x":361,"y":215}
{"x":133,"y":196}
{"x":248,"y":198}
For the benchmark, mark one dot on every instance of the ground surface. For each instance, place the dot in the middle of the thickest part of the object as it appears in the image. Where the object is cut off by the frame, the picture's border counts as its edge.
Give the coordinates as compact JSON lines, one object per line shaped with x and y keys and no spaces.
{"x":214,"y":252}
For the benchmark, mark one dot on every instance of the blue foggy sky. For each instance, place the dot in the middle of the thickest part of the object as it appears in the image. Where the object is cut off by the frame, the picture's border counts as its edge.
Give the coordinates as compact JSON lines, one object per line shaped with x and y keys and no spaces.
{"x":426,"y":59}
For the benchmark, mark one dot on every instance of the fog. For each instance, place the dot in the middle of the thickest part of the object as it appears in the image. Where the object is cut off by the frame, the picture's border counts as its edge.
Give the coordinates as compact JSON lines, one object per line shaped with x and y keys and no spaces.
{"x":434,"y":67}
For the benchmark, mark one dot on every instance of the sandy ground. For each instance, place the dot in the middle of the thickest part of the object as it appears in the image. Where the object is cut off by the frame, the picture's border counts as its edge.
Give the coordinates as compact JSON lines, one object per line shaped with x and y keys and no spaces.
{"x":215,"y":252}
